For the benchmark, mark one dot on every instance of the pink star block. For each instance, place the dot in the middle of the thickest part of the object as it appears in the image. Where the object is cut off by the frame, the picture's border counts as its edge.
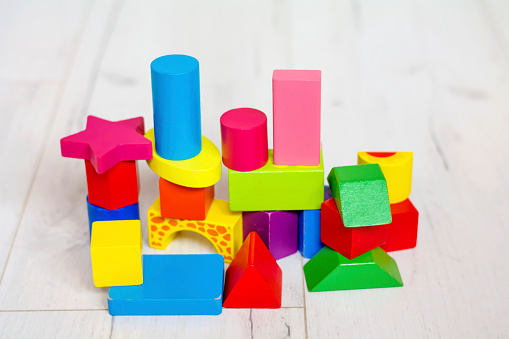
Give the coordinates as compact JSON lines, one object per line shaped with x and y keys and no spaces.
{"x":106,"y":143}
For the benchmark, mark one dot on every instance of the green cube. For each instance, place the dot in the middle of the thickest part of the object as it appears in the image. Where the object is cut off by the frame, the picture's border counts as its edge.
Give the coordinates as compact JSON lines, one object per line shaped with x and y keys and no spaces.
{"x":330,"y":271}
{"x":277,"y":188}
{"x":361,"y":195}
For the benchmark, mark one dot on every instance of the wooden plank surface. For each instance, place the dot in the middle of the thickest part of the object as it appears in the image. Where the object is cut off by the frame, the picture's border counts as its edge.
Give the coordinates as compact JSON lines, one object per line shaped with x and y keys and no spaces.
{"x":429,"y":77}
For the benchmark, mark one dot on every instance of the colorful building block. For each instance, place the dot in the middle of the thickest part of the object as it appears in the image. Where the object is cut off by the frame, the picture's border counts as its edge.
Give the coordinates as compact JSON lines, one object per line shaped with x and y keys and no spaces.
{"x":253,"y":279}
{"x":330,"y":271}
{"x":361,"y":195}
{"x":106,"y":143}
{"x":278,"y":230}
{"x":276,"y":188}
{"x":96,"y":213}
{"x":397,"y":170}
{"x":176,"y":103}
{"x":182,"y":202}
{"x":173,"y":284}
{"x":116,"y":188}
{"x":244,"y":139}
{"x":310,"y":242}
{"x":348,"y":241}
{"x":402,"y":231}
{"x":201,"y":171}
{"x":296,"y":104}
{"x":115,"y":249}
{"x":222,"y":227}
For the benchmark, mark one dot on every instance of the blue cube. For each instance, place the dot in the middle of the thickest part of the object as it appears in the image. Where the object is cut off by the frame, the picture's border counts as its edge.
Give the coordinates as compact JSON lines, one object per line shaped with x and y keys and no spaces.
{"x":96,"y":213}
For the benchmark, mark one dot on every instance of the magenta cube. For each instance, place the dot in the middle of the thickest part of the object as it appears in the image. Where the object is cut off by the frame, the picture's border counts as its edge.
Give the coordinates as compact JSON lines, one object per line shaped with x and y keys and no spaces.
{"x":278,"y":229}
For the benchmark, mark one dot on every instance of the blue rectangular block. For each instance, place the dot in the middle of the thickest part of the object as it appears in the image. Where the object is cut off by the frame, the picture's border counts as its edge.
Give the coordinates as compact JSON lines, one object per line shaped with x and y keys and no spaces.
{"x":190,"y":284}
{"x":96,"y":213}
{"x":309,"y":229}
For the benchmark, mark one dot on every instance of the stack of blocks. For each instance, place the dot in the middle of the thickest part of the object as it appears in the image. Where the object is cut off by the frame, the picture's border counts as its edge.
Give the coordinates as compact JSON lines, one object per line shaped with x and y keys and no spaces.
{"x":278,"y":203}
{"x":110,"y":150}
{"x":369,"y":214}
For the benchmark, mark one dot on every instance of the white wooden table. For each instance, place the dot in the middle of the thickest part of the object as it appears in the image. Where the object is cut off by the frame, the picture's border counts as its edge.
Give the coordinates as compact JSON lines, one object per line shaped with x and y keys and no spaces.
{"x":429,"y":77}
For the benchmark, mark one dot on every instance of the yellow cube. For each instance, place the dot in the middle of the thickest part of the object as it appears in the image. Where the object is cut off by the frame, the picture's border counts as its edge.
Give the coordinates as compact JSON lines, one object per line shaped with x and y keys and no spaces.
{"x":116,"y":250}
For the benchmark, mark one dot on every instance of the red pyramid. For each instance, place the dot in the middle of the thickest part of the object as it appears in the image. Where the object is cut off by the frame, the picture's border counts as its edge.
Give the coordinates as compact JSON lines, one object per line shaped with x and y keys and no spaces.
{"x":253,"y":279}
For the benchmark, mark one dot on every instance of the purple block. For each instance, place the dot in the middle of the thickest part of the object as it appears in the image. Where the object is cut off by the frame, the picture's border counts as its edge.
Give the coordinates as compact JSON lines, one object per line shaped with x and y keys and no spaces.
{"x":278,"y":229}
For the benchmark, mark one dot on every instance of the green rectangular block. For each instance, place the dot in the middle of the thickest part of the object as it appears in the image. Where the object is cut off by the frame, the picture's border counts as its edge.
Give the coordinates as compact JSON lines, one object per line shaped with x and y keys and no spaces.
{"x":361,"y":195}
{"x":277,"y":188}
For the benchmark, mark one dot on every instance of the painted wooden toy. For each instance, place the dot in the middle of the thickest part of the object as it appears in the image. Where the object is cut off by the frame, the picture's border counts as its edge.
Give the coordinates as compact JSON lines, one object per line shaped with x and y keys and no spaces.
{"x":201,"y":171}
{"x":176,"y":103}
{"x":348,"y":241}
{"x":361,"y":195}
{"x":330,"y":271}
{"x":296,"y":98}
{"x":402,"y":231}
{"x":253,"y":279}
{"x":180,"y":202}
{"x":278,"y":230}
{"x":222,"y":227}
{"x":96,"y":213}
{"x":116,"y":188}
{"x":244,"y":139}
{"x":106,"y":143}
{"x":116,"y":253}
{"x":310,"y":241}
{"x":397,"y":170}
{"x":276,"y":188}
{"x":173,"y":284}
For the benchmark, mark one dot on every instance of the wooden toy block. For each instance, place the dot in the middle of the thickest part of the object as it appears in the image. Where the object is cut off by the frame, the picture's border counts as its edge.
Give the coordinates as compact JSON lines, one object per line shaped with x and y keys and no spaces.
{"x":201,"y":171}
{"x":296,"y":101}
{"x":330,"y":271}
{"x":176,"y":102}
{"x":402,"y":231}
{"x":276,"y":188}
{"x":173,"y":285}
{"x":116,"y":253}
{"x":348,"y":241}
{"x":106,"y":143}
{"x":253,"y":279}
{"x":397,"y":170}
{"x":96,"y":213}
{"x":278,"y":230}
{"x":116,"y":188}
{"x":222,"y":227}
{"x":180,"y":202}
{"x":310,"y":242}
{"x":244,"y":139}
{"x":361,"y":195}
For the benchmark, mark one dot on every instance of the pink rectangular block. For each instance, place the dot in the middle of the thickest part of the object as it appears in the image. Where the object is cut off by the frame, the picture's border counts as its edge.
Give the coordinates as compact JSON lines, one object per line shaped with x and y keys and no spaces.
{"x":296,"y":104}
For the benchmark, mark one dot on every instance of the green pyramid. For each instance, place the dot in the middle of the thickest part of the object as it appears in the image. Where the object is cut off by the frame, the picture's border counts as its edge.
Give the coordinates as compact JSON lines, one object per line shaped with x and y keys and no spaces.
{"x":330,"y":271}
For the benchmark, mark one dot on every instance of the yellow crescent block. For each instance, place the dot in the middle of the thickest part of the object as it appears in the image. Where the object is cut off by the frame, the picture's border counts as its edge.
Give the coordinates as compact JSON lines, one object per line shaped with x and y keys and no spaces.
{"x":222,"y":227}
{"x":201,"y":171}
{"x":397,"y":169}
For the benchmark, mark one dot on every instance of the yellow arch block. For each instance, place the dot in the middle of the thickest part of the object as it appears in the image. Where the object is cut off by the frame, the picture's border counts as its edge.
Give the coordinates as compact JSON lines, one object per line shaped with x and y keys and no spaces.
{"x":397,"y":169}
{"x":222,"y":227}
{"x":201,"y":171}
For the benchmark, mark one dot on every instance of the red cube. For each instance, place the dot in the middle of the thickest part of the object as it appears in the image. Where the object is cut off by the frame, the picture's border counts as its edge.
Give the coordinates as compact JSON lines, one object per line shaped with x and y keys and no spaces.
{"x":116,"y":188}
{"x":348,"y":241}
{"x":402,"y":231}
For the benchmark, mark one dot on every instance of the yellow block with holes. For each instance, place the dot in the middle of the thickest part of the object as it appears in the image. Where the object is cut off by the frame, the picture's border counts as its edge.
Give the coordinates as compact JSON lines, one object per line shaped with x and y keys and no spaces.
{"x":222,"y":227}
{"x":203,"y":170}
{"x":397,"y":169}
{"x":116,"y":250}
